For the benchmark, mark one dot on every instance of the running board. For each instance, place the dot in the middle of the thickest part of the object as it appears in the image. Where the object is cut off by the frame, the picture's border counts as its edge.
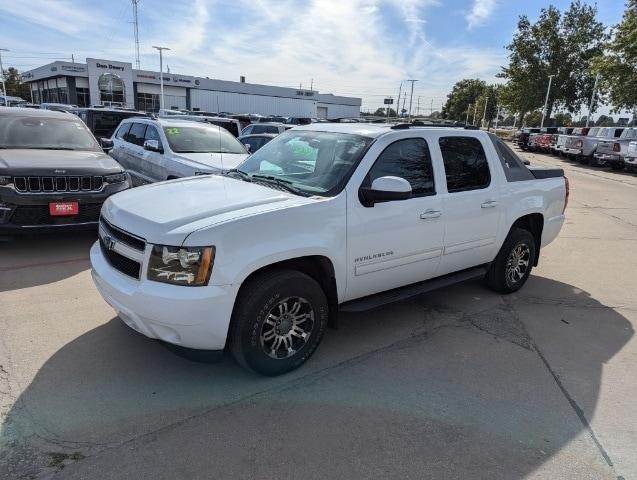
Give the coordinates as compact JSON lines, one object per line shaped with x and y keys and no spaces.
{"x":409,"y":291}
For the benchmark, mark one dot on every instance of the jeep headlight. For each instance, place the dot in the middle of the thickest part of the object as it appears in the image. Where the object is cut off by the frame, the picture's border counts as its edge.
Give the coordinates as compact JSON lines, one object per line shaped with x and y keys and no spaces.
{"x":116,"y":178}
{"x":189,"y":266}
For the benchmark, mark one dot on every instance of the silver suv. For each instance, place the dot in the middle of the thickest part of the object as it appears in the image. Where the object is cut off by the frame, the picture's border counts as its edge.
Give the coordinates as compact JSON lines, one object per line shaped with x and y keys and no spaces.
{"x":153,"y":150}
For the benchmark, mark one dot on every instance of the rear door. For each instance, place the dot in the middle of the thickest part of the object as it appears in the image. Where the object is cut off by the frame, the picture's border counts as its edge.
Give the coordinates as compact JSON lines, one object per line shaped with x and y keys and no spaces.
{"x":470,"y":204}
{"x":135,"y":147}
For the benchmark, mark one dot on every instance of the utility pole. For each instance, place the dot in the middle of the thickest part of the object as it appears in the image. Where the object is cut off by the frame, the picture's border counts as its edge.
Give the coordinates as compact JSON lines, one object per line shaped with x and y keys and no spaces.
{"x":136,"y":28}
{"x":400,"y":90}
{"x":466,"y":121}
{"x":161,"y":75}
{"x":546,"y":100}
{"x":590,"y":105}
{"x":484,"y":115}
{"x":418,"y":105}
{"x":411,"y":96}
{"x":497,"y":116}
{"x":475,"y":111}
{"x":431,"y":107}
{"x":4,"y":86}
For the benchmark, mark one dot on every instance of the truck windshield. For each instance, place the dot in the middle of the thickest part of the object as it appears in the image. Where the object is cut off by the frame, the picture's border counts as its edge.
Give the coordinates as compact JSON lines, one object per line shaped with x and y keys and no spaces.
{"x":313,"y":162}
{"x":45,"y":133}
{"x":593,"y":132}
{"x":202,"y":139}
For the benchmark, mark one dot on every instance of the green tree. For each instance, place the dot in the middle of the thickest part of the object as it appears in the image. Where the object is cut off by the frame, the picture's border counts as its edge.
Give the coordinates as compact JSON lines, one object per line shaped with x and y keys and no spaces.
{"x":563,"y":119}
{"x":605,"y":121}
{"x":488,"y":97}
{"x":618,"y":65}
{"x":533,"y":119}
{"x":462,"y":99}
{"x":14,"y":84}
{"x":382,"y":112}
{"x":556,"y":44}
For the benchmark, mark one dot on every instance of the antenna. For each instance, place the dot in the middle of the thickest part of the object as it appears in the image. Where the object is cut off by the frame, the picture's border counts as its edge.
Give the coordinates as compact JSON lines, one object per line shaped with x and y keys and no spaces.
{"x":137,"y":64}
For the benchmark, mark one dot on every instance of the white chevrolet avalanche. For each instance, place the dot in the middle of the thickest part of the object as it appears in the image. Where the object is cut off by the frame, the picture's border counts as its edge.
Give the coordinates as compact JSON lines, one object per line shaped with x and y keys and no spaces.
{"x":325,"y":217}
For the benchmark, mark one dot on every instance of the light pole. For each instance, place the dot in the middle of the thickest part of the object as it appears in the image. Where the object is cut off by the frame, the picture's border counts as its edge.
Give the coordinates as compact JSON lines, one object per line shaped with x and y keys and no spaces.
{"x":475,"y":111}
{"x":400,"y":91}
{"x":484,"y":114}
{"x":161,"y":75}
{"x":4,"y":87}
{"x":466,"y":121}
{"x":546,"y":100}
{"x":411,"y":96}
{"x":590,"y":105}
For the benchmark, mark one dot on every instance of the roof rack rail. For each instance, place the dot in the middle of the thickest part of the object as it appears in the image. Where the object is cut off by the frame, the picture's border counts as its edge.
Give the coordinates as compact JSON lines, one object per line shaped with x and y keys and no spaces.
{"x":407,"y":126}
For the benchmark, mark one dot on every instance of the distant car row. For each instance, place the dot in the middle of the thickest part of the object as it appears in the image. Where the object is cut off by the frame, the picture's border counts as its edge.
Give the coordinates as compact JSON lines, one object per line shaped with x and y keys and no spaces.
{"x":597,"y":146}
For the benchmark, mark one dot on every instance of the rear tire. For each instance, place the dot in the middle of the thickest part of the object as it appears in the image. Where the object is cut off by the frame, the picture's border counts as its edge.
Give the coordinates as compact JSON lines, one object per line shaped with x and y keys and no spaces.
{"x":617,"y":166}
{"x":279,"y":319}
{"x":512,"y":266}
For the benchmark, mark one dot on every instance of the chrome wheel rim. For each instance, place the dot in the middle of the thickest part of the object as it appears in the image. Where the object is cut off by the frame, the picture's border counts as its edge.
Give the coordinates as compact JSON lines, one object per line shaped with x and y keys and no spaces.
{"x":287,"y":327}
{"x":518,"y":263}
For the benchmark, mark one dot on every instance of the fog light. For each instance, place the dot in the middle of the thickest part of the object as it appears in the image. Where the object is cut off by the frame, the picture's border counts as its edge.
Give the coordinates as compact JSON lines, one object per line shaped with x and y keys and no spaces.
{"x":5,"y":212}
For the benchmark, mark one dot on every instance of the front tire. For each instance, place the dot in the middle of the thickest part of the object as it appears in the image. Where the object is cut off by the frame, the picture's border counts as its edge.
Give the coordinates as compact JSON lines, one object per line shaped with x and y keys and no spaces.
{"x":512,"y":266}
{"x":278,"y":321}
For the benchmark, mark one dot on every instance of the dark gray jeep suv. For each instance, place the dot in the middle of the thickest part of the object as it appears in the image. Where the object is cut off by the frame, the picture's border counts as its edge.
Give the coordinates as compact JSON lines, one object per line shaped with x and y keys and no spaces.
{"x":53,"y":173}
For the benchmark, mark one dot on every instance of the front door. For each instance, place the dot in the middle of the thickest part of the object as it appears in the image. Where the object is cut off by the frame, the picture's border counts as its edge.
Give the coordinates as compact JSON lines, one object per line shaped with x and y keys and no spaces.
{"x":395,"y":243}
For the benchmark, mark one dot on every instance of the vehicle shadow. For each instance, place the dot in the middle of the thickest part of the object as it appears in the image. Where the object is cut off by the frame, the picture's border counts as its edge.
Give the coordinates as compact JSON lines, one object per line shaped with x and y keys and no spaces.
{"x":464,"y":394}
{"x":27,"y":261}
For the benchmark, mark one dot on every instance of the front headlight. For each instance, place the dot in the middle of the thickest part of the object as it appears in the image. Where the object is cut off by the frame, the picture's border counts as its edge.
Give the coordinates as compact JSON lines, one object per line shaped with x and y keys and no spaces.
{"x":116,"y":178}
{"x":189,"y":266}
{"x":5,"y":180}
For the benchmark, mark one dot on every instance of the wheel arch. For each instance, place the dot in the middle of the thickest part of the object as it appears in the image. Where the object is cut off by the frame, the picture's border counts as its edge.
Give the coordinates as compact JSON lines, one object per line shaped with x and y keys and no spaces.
{"x":534,"y":224}
{"x":318,"y":267}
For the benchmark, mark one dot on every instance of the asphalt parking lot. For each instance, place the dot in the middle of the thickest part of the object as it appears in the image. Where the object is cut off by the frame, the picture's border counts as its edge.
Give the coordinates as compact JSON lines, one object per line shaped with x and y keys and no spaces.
{"x":460,"y":383}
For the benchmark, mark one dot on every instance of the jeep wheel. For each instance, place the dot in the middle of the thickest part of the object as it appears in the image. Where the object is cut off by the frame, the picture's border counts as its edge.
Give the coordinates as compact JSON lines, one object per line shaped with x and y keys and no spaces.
{"x":512,"y":266}
{"x":278,"y":321}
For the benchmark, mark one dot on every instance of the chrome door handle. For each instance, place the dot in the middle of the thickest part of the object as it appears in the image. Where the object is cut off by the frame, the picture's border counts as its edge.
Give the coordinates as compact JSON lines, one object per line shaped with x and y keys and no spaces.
{"x":489,"y":204}
{"x":430,"y":214}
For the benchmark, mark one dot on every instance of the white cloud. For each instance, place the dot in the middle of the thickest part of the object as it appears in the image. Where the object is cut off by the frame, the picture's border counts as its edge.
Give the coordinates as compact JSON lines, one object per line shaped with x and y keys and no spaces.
{"x":481,"y":10}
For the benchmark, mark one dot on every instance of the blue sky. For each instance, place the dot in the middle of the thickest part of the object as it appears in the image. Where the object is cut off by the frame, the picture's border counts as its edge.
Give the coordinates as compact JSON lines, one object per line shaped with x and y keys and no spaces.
{"x":350,"y":47}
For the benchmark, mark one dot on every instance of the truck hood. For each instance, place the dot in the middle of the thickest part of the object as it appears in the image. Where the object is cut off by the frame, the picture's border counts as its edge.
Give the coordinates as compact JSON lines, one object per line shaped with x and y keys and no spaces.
{"x":26,"y":161}
{"x":167,"y":212}
{"x":220,"y":161}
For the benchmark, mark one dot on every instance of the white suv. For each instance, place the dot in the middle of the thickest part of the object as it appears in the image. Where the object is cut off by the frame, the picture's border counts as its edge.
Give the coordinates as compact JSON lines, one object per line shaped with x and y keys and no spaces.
{"x":325,"y":216}
{"x":156,"y":150}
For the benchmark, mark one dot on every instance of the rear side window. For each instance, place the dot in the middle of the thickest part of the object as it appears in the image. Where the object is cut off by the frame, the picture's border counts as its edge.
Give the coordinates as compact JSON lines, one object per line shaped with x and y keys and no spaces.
{"x":514,"y":168}
{"x":408,"y":159}
{"x":122,"y":131}
{"x":136,"y":134}
{"x":466,"y":166}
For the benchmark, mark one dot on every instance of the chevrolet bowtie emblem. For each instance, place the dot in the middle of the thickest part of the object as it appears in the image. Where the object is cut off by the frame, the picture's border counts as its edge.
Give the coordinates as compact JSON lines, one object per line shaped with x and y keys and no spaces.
{"x":109,"y":243}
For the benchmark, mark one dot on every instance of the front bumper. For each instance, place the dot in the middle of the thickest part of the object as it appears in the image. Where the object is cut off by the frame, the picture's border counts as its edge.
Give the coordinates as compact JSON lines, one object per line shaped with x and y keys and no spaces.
{"x":191,"y":317}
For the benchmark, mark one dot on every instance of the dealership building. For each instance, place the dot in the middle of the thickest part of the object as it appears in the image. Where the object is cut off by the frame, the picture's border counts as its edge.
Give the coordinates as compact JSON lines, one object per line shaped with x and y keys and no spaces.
{"x":107,"y":82}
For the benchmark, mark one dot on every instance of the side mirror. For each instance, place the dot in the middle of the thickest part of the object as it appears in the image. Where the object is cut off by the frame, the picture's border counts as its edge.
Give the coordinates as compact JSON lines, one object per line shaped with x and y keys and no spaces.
{"x":248,"y":147}
{"x":385,"y":189}
{"x":106,"y":144}
{"x":153,"y":146}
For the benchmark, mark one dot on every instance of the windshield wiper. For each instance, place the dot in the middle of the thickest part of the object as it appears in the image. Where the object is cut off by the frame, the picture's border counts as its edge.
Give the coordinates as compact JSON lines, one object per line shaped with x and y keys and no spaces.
{"x":240,"y":173}
{"x":286,"y":184}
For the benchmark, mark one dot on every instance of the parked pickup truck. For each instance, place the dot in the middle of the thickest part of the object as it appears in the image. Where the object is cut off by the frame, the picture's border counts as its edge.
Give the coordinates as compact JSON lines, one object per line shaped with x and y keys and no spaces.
{"x":583,"y":148}
{"x":324,"y":217}
{"x":541,"y":141}
{"x":521,"y":137}
{"x":559,"y":139}
{"x":630,"y":160}
{"x":612,"y":152}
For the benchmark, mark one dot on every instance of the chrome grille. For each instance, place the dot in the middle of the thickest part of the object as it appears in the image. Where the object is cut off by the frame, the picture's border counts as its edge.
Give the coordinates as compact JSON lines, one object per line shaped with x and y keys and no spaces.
{"x":84,"y":183}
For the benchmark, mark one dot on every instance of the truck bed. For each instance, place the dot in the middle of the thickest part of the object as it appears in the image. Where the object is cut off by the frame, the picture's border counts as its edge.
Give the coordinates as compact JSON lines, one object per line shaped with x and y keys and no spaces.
{"x":540,"y":173}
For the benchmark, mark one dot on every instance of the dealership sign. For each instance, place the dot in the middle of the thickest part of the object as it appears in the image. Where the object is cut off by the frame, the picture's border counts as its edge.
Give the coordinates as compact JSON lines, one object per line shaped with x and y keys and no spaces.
{"x":109,"y":73}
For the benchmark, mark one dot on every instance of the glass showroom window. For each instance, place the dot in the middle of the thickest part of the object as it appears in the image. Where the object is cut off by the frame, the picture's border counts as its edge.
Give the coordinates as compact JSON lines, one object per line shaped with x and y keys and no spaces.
{"x":83,"y":97}
{"x":148,"y":102}
{"x":112,"y":89}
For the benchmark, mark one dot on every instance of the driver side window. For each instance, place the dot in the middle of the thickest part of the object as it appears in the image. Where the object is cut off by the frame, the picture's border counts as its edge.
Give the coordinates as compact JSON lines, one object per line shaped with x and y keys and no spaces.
{"x":408,"y":159}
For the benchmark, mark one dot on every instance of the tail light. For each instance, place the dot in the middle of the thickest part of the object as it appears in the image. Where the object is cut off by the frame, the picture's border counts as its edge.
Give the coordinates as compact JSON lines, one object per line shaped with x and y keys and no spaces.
{"x":616,"y":147}
{"x":579,"y":144}
{"x":568,"y":192}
